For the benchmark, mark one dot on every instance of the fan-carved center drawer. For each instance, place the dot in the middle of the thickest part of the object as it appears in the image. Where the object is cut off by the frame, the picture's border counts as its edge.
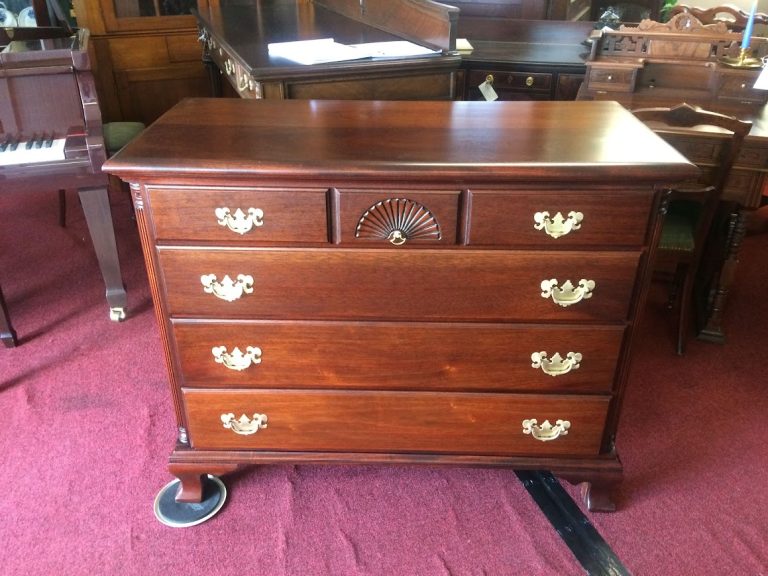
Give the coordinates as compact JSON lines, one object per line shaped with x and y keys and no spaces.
{"x":392,"y":421}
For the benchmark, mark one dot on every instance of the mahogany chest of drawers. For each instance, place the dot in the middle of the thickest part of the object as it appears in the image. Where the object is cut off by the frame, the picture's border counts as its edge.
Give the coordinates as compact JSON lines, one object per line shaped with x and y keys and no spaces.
{"x":403,"y":282}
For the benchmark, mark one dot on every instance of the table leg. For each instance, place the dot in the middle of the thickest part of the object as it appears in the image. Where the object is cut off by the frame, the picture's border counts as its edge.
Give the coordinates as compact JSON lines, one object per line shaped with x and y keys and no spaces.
{"x":98,"y":215}
{"x":7,"y":335}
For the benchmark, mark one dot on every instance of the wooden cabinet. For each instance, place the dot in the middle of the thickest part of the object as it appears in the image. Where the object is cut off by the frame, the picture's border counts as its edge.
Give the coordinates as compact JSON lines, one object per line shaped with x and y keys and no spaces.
{"x":146,"y":56}
{"x":441,"y":282}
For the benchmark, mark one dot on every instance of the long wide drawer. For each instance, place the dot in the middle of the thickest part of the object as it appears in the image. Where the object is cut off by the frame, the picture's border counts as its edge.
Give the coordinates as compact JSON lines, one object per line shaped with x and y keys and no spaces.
{"x":397,"y":356}
{"x":449,"y":423}
{"x":399,"y":285}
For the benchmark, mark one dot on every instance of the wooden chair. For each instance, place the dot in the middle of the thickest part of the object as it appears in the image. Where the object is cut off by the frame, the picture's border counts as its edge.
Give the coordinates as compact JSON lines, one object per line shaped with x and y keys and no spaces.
{"x":692,"y":209}
{"x":733,"y":17}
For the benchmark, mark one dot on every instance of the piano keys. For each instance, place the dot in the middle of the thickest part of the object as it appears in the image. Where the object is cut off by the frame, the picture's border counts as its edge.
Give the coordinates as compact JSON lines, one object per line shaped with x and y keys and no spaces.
{"x":51,"y":136}
{"x":34,"y":151}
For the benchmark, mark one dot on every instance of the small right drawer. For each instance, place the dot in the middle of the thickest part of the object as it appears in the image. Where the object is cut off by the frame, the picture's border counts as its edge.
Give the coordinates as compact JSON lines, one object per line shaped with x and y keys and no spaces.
{"x":558,"y":220}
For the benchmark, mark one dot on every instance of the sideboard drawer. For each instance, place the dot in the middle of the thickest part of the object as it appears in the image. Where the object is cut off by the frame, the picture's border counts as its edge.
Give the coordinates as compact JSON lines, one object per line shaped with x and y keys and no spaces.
{"x":265,"y":215}
{"x":558,"y":220}
{"x":615,"y":79}
{"x":397,"y":284}
{"x":397,"y":356}
{"x":340,"y":421}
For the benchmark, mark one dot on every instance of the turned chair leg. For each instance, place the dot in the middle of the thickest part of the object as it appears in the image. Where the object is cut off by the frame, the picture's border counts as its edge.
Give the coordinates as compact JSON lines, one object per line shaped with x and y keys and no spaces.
{"x":63,"y":208}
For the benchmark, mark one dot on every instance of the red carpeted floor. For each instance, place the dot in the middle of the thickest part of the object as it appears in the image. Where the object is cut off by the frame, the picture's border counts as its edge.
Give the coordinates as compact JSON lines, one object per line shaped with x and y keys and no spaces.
{"x":87,"y":427}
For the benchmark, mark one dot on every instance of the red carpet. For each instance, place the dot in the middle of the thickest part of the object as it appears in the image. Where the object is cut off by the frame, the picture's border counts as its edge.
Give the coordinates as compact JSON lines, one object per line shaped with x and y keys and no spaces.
{"x":87,"y":428}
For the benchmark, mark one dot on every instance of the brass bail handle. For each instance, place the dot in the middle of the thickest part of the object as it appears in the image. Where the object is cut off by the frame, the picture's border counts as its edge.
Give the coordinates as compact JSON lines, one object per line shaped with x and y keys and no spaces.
{"x":397,"y":237}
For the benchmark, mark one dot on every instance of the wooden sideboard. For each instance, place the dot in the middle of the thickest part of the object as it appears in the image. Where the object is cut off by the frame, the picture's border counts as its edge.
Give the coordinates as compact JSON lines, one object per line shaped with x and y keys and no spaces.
{"x":402,"y":282}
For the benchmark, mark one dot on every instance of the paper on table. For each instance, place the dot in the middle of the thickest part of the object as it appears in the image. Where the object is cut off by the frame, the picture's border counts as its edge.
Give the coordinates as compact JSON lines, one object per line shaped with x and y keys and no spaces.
{"x":394,"y":49}
{"x":327,"y":50}
{"x":315,"y":51}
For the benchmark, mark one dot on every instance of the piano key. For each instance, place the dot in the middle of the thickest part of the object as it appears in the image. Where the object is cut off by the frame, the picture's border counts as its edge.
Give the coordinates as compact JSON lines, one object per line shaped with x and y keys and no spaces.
{"x":28,"y":153}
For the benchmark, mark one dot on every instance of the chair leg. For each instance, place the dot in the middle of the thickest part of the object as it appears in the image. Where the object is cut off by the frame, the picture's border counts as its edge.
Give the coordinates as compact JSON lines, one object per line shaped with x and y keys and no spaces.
{"x":684,"y":317}
{"x":63,"y":208}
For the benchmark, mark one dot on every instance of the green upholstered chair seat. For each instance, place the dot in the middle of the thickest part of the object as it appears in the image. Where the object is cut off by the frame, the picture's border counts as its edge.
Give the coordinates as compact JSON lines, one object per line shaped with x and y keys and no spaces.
{"x":118,"y":134}
{"x":678,"y":232}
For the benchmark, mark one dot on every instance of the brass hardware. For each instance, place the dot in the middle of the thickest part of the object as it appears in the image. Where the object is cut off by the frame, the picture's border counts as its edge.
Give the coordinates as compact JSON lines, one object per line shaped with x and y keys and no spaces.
{"x":567,"y":295}
{"x":557,"y":226}
{"x":529,"y":81}
{"x":227,"y":289}
{"x":236,"y":360}
{"x":244,"y":426}
{"x":609,"y":77}
{"x":546,"y":431}
{"x":489,"y":78}
{"x":397,"y":238}
{"x":239,"y":222}
{"x":556,"y":366}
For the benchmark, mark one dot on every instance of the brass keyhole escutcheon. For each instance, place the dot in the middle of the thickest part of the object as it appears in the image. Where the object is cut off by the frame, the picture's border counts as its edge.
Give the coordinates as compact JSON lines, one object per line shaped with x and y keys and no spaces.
{"x":397,"y":238}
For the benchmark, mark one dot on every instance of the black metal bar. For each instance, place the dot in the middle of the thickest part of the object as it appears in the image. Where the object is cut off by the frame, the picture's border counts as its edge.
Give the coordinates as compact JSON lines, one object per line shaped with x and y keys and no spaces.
{"x":592,"y":552}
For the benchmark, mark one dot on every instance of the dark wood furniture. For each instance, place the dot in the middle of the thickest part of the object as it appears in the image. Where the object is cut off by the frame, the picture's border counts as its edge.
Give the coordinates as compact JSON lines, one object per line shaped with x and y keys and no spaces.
{"x":7,"y":333}
{"x":691,"y":210}
{"x":404,"y":282}
{"x":236,"y":38}
{"x":523,"y":60}
{"x":665,"y":65}
{"x":731,"y":16}
{"x":46,"y":89}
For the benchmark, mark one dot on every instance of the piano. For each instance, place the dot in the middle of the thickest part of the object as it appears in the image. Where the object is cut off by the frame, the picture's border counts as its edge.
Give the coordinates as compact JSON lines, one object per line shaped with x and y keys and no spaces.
{"x":51,"y":138}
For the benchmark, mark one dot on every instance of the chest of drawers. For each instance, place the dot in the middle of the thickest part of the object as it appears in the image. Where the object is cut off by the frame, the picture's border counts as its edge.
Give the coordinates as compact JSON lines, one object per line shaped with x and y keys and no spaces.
{"x":403,"y":282}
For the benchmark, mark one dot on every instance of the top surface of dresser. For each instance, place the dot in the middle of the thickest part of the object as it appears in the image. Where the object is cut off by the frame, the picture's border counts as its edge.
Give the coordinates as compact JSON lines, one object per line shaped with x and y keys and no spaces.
{"x":367,"y":140}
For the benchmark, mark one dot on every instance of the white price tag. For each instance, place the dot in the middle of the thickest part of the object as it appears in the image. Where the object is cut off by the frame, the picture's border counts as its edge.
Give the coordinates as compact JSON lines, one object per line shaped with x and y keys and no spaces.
{"x":762,"y":80}
{"x":486,"y":89}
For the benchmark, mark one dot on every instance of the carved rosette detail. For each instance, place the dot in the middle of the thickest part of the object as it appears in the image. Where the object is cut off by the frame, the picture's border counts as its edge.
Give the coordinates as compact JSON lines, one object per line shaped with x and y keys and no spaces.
{"x":546,"y":432}
{"x":556,"y":366}
{"x":398,"y":220}
{"x":567,"y":294}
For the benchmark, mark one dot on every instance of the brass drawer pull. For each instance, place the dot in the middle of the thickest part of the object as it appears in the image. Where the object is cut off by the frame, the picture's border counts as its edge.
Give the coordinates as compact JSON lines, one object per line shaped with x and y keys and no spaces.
{"x":546,"y":431}
{"x":489,"y":79}
{"x":239,"y":222}
{"x":567,"y":295}
{"x":556,"y":225}
{"x":245,"y":426}
{"x":237,"y":360}
{"x":529,"y":81}
{"x":556,"y":366}
{"x":227,"y":289}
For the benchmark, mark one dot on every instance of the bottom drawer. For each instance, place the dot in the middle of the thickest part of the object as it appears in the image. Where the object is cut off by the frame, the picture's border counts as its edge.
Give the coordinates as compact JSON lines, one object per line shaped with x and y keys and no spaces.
{"x":341,"y":421}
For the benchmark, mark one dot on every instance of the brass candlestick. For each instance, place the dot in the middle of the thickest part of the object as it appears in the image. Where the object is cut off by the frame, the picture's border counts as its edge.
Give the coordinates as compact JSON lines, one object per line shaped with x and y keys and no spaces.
{"x":743,"y":60}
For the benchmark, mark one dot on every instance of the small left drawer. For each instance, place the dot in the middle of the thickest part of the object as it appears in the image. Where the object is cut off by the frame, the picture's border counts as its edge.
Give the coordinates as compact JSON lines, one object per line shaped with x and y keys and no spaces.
{"x":239,"y":215}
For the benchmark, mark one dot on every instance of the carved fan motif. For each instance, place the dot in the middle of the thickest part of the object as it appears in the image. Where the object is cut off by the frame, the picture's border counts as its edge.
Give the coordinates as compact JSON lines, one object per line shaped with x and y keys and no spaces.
{"x":398,"y":220}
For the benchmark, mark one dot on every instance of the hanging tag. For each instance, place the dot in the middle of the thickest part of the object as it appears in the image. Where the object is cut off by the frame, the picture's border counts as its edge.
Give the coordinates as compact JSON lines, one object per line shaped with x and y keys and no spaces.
{"x":486,"y":89}
{"x":762,"y":79}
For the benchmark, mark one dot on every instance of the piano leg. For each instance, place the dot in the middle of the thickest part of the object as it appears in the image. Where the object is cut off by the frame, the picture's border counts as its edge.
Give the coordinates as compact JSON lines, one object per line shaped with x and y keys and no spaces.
{"x":7,"y":335}
{"x":98,"y":216}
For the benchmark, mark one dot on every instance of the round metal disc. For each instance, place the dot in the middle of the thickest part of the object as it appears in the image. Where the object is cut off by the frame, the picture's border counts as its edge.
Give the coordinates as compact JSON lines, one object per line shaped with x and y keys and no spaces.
{"x":185,"y":514}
